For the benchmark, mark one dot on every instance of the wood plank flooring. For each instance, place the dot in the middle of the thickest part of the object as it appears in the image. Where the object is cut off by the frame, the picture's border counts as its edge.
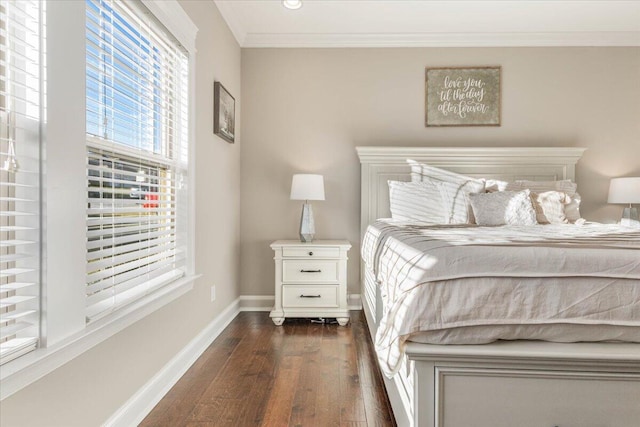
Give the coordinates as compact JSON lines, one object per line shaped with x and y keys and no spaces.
{"x":299,"y":374}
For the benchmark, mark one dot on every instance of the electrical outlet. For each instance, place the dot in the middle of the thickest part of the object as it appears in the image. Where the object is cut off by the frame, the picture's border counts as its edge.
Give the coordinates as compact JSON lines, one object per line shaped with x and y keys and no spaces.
{"x":213,"y":293}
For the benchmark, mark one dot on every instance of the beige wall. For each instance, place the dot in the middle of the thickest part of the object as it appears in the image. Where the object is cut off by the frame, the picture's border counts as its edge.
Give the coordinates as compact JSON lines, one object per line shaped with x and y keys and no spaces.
{"x":90,"y":388}
{"x":306,"y":109}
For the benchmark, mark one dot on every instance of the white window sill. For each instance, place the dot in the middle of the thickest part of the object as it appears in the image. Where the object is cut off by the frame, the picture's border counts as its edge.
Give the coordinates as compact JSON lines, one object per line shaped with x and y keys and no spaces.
{"x":29,"y":368}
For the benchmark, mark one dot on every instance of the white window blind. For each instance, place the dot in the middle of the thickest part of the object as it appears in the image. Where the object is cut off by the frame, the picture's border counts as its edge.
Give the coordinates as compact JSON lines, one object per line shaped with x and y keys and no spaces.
{"x":137,"y":158}
{"x":20,"y":116}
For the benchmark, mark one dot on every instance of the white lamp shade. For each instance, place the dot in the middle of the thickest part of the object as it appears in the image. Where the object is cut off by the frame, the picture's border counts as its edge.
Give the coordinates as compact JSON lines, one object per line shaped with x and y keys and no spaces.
{"x":624,"y":190}
{"x":307,"y":187}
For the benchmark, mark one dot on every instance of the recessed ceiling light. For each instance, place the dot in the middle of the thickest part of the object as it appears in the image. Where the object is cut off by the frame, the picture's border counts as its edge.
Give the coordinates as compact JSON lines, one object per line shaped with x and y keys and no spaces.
{"x":292,"y":4}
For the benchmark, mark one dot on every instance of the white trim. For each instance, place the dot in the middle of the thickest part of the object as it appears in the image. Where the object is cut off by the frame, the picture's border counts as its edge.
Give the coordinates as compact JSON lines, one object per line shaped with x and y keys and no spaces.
{"x":191,"y":170}
{"x":256,"y":302}
{"x":172,"y":16}
{"x":145,"y":399}
{"x":29,"y":368}
{"x":354,"y":301}
{"x":551,"y":39}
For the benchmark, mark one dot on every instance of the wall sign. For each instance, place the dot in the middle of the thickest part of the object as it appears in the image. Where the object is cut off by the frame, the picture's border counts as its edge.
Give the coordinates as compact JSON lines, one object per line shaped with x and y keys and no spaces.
{"x":463,"y":96}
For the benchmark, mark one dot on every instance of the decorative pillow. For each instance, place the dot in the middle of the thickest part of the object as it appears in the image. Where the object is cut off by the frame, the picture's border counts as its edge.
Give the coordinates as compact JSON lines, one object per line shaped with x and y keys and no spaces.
{"x":550,"y":207}
{"x":571,"y":209}
{"x":455,"y":189}
{"x":416,"y":201}
{"x":503,"y":207}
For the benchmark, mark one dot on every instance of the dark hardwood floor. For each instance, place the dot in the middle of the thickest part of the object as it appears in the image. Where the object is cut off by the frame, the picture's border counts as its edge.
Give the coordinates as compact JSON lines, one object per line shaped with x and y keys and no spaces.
{"x":299,"y":374}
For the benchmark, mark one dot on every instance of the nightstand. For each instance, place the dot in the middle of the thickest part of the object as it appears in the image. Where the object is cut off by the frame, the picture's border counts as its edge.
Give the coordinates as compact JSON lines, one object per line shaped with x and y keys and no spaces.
{"x":311,"y":279}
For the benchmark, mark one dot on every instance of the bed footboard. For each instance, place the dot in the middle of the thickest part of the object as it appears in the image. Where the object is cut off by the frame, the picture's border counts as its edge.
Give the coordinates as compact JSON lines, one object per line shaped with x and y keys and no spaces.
{"x":526,"y":383}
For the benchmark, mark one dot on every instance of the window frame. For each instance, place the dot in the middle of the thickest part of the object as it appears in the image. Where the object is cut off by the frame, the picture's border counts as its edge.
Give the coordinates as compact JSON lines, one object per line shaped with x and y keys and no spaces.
{"x":131,"y":63}
{"x":23,"y":111}
{"x":65,"y":334}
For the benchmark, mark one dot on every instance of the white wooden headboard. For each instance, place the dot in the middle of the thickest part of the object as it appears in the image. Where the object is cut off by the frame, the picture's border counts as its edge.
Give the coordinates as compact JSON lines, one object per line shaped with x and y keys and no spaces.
{"x":380,"y":164}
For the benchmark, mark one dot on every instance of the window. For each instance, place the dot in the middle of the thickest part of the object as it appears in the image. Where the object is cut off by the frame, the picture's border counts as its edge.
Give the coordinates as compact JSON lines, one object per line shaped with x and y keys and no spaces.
{"x":96,"y":217}
{"x":137,"y":127}
{"x":20,"y":116}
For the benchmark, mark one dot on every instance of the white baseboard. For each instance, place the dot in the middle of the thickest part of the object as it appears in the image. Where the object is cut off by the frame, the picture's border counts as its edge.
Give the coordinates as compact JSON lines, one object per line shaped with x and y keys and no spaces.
{"x":354,"y":301}
{"x":144,"y":400}
{"x":257,"y":302}
{"x":266,"y":302}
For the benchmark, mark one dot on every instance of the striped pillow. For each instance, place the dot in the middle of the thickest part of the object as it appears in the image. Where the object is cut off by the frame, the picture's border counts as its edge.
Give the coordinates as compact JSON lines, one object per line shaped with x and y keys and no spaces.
{"x":416,"y":202}
{"x":455,"y":190}
{"x":550,"y":207}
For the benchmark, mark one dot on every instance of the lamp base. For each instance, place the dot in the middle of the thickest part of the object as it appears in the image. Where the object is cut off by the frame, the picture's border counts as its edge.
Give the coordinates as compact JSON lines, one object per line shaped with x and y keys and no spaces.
{"x":630,"y":217}
{"x":307,"y":227}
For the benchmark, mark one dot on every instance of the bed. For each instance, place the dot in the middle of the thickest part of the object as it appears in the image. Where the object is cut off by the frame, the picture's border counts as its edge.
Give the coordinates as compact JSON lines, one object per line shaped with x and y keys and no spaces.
{"x":502,"y":383}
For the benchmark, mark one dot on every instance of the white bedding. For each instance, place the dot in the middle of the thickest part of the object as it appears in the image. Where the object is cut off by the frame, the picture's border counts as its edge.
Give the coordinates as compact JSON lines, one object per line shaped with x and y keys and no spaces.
{"x":470,"y":284}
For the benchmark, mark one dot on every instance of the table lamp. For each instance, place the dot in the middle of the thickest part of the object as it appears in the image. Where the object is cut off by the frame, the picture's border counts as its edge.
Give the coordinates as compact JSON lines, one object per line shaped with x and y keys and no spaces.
{"x":307,"y":187}
{"x":626,"y":191}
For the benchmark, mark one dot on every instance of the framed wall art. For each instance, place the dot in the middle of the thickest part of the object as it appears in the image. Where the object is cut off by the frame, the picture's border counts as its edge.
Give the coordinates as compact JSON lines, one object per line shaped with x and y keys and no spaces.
{"x":463,"y":96}
{"x":224,"y":113}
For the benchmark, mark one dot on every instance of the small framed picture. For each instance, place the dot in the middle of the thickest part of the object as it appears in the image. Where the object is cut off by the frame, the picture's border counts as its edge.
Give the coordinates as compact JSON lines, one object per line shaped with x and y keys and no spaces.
{"x":224,"y":113}
{"x":463,"y":96}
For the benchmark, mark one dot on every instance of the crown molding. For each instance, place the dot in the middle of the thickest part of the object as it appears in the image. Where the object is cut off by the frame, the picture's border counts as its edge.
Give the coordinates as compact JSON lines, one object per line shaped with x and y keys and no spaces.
{"x":229,"y":15}
{"x":231,"y":11}
{"x":550,"y":39}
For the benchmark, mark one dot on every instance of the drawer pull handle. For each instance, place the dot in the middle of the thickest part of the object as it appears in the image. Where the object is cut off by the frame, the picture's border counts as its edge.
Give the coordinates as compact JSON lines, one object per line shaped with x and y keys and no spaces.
{"x":310,"y":253}
{"x":310,"y":271}
{"x":310,"y":296}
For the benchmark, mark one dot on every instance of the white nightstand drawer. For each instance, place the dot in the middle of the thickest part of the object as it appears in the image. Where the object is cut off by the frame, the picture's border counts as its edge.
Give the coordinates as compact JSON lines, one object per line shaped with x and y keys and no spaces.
{"x":311,"y":252}
{"x":309,"y":271}
{"x":310,"y":279}
{"x":310,"y":296}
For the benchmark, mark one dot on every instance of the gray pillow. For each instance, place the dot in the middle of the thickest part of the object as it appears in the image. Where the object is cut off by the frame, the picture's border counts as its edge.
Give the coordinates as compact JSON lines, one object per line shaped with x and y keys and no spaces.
{"x":503,"y":208}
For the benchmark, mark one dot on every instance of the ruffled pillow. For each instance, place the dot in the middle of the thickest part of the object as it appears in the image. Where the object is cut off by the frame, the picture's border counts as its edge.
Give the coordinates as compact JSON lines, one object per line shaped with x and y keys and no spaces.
{"x":571,"y":209}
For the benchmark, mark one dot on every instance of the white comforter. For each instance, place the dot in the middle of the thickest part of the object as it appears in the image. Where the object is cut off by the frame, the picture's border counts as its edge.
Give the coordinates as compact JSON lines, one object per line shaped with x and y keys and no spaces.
{"x":544,"y":275}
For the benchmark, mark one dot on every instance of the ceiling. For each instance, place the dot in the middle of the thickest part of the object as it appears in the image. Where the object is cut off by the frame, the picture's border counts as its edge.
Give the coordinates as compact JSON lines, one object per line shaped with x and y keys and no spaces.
{"x":420,"y":23}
